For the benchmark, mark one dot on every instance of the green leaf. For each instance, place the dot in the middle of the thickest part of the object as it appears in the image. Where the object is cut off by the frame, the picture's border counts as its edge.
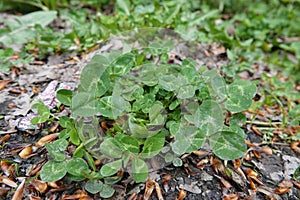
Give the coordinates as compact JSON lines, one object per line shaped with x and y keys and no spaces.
{"x":74,"y":138}
{"x":217,"y":85}
{"x":42,"y":110}
{"x":168,"y":82}
{"x":208,"y":117}
{"x":106,"y":191}
{"x":89,"y":159}
{"x":71,"y":177}
{"x":123,"y":6}
{"x":57,"y":148}
{"x":174,"y":104}
{"x":90,"y":74}
{"x":128,"y":143}
{"x":109,"y":148}
{"x":105,"y":107}
{"x":177,"y":162}
{"x":39,"y":120}
{"x":123,"y":64}
{"x":21,"y":26}
{"x":112,"y":179}
{"x":169,"y":157}
{"x":111,"y":168}
{"x":126,"y":158}
{"x":140,"y":170}
{"x":66,"y":122}
{"x":77,"y":166}
{"x":186,"y":92}
{"x":238,"y":119}
{"x":240,"y":94}
{"x":84,"y":104}
{"x":157,"y":114}
{"x":188,"y":139}
{"x":53,"y":171}
{"x":64,"y":134}
{"x":137,"y":130}
{"x":93,"y":186}
{"x":147,"y":74}
{"x":119,"y":105}
{"x":64,"y":96}
{"x":153,"y":145}
{"x":228,"y":145}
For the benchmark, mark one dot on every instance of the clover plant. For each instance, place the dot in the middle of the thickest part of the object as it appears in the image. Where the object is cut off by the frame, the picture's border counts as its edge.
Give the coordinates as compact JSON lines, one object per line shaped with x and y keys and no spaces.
{"x":158,"y":111}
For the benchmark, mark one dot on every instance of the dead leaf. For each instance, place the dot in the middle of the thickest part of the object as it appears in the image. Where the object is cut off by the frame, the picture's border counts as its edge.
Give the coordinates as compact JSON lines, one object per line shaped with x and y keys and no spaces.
{"x":296,"y":146}
{"x":3,"y":83}
{"x":226,"y":184}
{"x":79,"y":194}
{"x":297,"y":184}
{"x":5,"y":167}
{"x":268,"y":192}
{"x":286,"y":184}
{"x":26,"y":152}
{"x":201,"y":164}
{"x":4,"y":138}
{"x":188,"y":169}
{"x":218,"y":166}
{"x":37,"y":168}
{"x":237,"y":163}
{"x":256,"y":131}
{"x":149,"y":188}
{"x":252,"y":185}
{"x":256,"y":154}
{"x":132,"y":196}
{"x":158,"y":192}
{"x":19,"y":192}
{"x":281,"y":190}
{"x":34,"y":198}
{"x":39,"y":185}
{"x":54,"y":127}
{"x":45,"y":139}
{"x":8,"y":182}
{"x":54,"y":184}
{"x":267,"y":150}
{"x":252,"y":174}
{"x":165,"y":181}
{"x":3,"y":191}
{"x":181,"y":195}
{"x":231,"y":197}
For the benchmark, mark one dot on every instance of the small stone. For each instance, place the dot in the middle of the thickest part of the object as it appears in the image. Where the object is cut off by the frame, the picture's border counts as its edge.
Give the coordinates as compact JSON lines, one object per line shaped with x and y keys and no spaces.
{"x":206,"y":177}
{"x":193,"y":188}
{"x":290,"y":165}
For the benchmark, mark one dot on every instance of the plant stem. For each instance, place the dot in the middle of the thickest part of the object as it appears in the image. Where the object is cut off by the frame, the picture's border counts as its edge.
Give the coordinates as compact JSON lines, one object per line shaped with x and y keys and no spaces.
{"x":264,"y":123}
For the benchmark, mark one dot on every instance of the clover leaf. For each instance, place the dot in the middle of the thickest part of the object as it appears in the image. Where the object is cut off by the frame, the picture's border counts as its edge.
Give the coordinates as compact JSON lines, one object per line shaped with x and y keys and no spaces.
{"x":53,"y":171}
{"x":240,"y":94}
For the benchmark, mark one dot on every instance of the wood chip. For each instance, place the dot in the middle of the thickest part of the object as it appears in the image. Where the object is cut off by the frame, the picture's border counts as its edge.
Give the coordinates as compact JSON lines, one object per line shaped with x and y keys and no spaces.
{"x":19,"y":192}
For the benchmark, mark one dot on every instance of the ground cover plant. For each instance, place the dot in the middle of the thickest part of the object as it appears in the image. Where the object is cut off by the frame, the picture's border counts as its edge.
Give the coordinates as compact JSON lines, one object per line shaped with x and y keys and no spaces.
{"x":148,"y":107}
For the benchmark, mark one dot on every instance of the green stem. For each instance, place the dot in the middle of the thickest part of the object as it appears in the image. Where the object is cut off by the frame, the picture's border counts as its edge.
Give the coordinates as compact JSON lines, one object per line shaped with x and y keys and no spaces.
{"x":264,"y":123}
{"x":284,"y":118}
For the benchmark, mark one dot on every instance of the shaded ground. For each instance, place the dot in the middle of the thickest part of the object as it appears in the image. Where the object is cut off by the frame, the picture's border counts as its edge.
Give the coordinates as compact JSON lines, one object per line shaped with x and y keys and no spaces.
{"x":265,"y":170}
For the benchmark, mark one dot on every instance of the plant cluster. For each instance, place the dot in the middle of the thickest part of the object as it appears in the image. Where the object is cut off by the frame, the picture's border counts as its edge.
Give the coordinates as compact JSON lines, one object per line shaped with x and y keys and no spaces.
{"x":159,"y":110}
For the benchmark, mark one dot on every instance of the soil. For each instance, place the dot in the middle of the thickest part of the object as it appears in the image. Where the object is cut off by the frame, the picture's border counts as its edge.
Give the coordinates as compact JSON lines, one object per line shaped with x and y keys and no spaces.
{"x":206,"y":181}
